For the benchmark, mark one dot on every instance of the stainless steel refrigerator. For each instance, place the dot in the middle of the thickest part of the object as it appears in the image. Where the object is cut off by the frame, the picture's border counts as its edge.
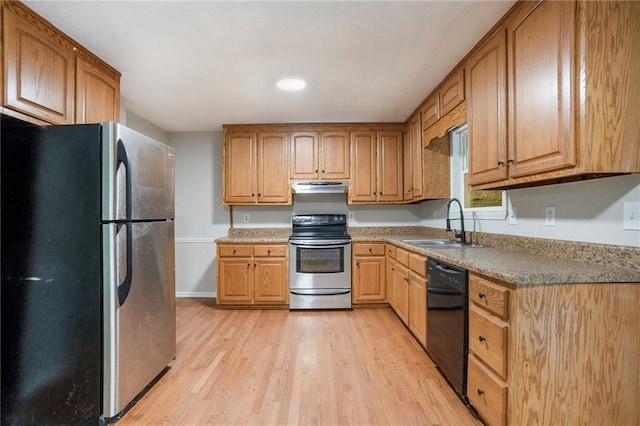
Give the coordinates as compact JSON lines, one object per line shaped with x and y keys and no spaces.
{"x":88,"y":278}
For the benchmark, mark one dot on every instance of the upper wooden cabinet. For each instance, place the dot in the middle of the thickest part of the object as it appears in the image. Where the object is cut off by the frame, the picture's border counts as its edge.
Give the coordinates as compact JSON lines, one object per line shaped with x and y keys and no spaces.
{"x":320,"y":155}
{"x":97,"y":94}
{"x":256,"y":168}
{"x":49,"y":77}
{"x":443,"y":100}
{"x":413,"y":175}
{"x":376,"y":166}
{"x":569,"y":91}
{"x":487,"y":110}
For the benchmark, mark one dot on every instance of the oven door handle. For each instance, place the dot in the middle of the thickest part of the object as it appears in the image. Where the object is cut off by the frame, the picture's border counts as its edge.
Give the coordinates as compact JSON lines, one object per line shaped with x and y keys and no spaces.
{"x":319,"y":292}
{"x":325,"y":244}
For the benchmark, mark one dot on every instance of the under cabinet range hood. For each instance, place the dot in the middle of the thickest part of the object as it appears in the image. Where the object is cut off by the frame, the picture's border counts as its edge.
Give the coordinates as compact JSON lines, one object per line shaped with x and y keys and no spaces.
{"x":319,"y":187}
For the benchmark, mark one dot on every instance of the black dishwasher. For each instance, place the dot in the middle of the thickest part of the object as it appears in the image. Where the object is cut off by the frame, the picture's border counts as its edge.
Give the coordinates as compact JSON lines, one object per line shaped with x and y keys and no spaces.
{"x":447,"y":321}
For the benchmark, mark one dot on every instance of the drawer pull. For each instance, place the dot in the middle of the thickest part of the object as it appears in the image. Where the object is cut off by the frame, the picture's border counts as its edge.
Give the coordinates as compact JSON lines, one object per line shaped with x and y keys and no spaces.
{"x":268,"y":252}
{"x":481,"y":338}
{"x":482,"y":295}
{"x":234,"y":251}
{"x":480,"y":392}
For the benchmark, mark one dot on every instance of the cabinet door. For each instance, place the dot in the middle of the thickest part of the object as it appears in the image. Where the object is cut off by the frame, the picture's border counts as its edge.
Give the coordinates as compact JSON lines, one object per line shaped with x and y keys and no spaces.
{"x":415,"y":138}
{"x":363,"y":166}
{"x":369,"y":279}
{"x":430,"y":111}
{"x":234,"y":280}
{"x":418,"y":307}
{"x":452,"y":92}
{"x":334,"y":155}
{"x":273,"y":168}
{"x":541,"y":89}
{"x":389,"y":277}
{"x":390,"y":186}
{"x":487,"y":111}
{"x":407,"y":154}
{"x":270,"y":280}
{"x":97,"y":94}
{"x":38,"y":70}
{"x":304,"y":155}
{"x":239,"y":168}
{"x":401,"y":292}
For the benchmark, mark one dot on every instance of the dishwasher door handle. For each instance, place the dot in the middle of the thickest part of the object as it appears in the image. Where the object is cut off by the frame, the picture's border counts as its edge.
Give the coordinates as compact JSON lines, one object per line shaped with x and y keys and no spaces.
{"x":440,"y":290}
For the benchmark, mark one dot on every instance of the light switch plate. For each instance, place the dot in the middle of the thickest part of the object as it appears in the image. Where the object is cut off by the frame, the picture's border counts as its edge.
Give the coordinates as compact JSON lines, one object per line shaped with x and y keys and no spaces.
{"x":631,"y":212}
{"x":550,"y":216}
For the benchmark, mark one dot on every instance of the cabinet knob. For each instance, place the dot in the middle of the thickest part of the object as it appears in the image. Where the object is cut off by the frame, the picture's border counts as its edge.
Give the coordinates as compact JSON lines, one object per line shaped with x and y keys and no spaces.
{"x":358,"y":264}
{"x":253,"y":195}
{"x":234,"y":251}
{"x":510,"y":161}
{"x":480,"y":392}
{"x":268,"y":252}
{"x":316,"y":171}
{"x":481,"y":338}
{"x":500,"y":163}
{"x":248,"y":265}
{"x":370,"y":250}
{"x":254,"y":265}
{"x":323,"y":171}
{"x":259,"y":194}
{"x":481,"y":295}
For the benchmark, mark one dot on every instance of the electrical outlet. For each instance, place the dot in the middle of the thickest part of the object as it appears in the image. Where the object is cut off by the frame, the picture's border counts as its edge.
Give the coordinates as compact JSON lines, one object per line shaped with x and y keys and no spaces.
{"x":513,"y":216}
{"x":246,"y":217}
{"x":631,"y":212}
{"x":352,"y":216}
{"x":550,"y":216}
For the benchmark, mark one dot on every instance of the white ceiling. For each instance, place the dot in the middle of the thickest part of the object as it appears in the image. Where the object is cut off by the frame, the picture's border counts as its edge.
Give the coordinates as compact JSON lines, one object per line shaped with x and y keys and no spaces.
{"x":195,"y":65}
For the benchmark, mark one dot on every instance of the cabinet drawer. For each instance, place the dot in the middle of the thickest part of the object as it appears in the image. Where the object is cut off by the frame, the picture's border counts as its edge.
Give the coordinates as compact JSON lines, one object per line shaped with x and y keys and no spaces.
{"x":402,"y":256}
{"x":391,"y":251}
{"x":488,"y":340}
{"x":270,"y":251}
{"x":368,"y":249}
{"x":418,"y":264}
{"x":486,"y":393}
{"x":490,"y":296}
{"x":235,"y":250}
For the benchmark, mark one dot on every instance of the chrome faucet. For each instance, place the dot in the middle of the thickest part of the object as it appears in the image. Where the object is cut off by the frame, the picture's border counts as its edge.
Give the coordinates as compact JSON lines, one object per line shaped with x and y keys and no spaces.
{"x":461,"y":235}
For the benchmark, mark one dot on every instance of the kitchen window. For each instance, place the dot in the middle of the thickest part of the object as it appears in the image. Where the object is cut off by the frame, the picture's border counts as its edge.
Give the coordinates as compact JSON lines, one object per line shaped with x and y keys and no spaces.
{"x":479,"y":204}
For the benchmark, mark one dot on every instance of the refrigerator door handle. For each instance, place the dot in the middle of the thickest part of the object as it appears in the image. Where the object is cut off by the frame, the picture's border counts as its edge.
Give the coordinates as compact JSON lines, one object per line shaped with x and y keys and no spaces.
{"x":123,"y":159}
{"x":125,"y":285}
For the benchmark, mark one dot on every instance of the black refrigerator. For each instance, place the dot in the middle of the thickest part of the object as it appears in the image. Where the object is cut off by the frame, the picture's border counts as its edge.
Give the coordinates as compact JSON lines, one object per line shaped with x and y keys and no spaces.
{"x":88,"y":277}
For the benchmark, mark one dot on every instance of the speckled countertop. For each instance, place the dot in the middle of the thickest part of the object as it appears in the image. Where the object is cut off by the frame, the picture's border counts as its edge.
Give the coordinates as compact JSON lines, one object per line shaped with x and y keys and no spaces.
{"x":514,"y":260}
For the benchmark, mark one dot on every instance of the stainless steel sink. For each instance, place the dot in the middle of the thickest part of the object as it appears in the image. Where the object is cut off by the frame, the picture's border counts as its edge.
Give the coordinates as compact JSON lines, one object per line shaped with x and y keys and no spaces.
{"x":438,"y":243}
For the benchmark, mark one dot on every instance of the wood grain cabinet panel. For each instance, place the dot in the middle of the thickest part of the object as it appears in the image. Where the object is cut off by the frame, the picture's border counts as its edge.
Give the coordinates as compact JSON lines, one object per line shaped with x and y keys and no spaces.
{"x":412,"y":161}
{"x":451,"y":92}
{"x":97,"y":94}
{"x":376,"y":167}
{"x":39,"y":69}
{"x":334,"y":155}
{"x":369,"y":273}
{"x":256,"y":167}
{"x":304,"y":156}
{"x":559,"y":77}
{"x":253,"y":274}
{"x":48,"y":77}
{"x":320,"y":155}
{"x":430,"y":111}
{"x":545,"y":362}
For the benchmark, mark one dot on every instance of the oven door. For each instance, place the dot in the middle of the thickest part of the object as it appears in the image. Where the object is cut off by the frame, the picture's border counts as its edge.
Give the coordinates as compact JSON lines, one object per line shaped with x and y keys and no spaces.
{"x":321,"y":264}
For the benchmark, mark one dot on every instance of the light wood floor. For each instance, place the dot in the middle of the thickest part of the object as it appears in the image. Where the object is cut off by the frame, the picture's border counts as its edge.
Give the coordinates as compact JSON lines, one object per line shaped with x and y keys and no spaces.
{"x":250,"y":367}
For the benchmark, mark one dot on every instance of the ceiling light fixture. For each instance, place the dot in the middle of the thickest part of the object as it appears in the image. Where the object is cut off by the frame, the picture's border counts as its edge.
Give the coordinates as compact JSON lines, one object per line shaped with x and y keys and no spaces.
{"x":291,"y":84}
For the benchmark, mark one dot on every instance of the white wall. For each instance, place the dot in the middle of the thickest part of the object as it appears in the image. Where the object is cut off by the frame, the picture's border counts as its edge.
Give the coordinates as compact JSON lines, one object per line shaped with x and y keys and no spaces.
{"x":588,"y":211}
{"x":200,"y":215}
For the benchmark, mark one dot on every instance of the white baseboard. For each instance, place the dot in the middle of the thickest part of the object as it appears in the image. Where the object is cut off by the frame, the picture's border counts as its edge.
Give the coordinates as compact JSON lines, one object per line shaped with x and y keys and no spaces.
{"x":196,"y":294}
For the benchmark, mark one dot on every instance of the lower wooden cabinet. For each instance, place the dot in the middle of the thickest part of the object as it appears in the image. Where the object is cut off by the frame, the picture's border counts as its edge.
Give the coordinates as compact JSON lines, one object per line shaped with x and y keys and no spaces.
{"x":418,"y":297}
{"x":368,"y":266}
{"x":253,"y":274}
{"x":554,"y":354}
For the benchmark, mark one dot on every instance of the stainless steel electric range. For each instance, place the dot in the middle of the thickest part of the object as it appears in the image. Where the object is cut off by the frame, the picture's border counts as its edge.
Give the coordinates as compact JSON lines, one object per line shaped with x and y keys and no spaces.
{"x":320,"y":262}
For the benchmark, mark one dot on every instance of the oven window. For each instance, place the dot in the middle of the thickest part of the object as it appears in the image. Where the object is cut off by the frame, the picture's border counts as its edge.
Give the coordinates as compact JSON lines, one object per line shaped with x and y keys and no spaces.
{"x":320,"y":260}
